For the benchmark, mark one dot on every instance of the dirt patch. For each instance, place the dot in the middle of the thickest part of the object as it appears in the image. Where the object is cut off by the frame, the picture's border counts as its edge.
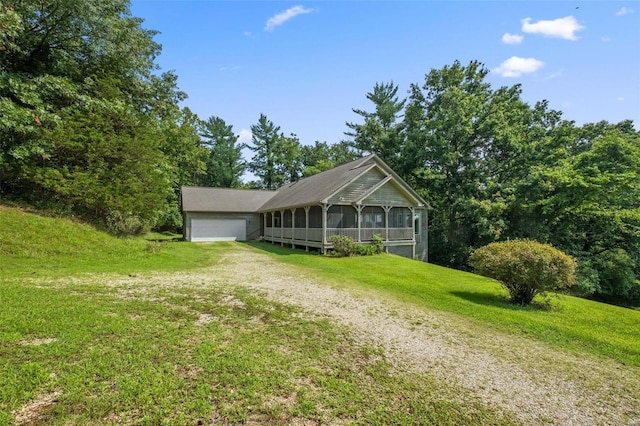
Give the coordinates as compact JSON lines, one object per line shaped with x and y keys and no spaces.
{"x":37,"y":342}
{"x":36,"y":409}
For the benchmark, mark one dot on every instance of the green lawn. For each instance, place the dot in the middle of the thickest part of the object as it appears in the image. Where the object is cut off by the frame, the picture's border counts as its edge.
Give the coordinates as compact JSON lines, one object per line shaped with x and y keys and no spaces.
{"x":37,"y":246}
{"x":182,"y":354}
{"x":92,"y":353}
{"x":579,"y":325}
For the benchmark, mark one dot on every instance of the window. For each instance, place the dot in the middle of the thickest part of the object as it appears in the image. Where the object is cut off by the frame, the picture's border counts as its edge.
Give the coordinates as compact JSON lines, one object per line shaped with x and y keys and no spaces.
{"x":417,"y":221}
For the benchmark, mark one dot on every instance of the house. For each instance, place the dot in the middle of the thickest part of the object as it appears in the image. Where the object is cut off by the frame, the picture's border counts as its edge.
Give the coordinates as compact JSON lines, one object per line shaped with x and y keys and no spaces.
{"x":359,"y":199}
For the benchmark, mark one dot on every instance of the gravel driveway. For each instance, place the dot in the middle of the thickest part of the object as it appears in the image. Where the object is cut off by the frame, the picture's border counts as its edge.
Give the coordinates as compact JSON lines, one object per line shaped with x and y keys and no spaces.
{"x":535,"y":383}
{"x":538,"y":384}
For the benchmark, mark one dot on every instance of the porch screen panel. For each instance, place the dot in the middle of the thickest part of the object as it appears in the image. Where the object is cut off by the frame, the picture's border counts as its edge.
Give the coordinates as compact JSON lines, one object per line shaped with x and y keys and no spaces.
{"x":400,"y":217}
{"x":342,"y":217}
{"x":315,"y":217}
{"x":300,"y":218}
{"x":287,"y":219}
{"x":268,"y":216}
{"x":373,"y":217}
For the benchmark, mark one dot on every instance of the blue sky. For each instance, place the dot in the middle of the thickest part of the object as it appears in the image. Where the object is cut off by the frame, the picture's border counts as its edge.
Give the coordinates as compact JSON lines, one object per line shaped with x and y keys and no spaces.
{"x":306,"y":64}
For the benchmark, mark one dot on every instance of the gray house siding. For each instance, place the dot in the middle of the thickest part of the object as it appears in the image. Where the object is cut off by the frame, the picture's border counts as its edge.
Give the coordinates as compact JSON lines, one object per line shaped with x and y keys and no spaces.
{"x":404,"y":251}
{"x":387,"y":195}
{"x":422,"y":237}
{"x":356,"y":189}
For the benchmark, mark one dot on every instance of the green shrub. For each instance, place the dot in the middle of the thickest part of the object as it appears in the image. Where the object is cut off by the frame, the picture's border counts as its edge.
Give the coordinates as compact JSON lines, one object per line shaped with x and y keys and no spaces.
{"x":525,"y":268}
{"x":365,"y":250}
{"x":377,"y":244}
{"x":119,"y":223}
{"x":343,"y":246}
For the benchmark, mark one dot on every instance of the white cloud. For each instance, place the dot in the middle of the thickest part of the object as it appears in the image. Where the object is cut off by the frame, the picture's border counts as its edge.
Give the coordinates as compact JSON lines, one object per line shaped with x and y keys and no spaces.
{"x":562,"y":27}
{"x":283,"y":17}
{"x":512,"y":38}
{"x":620,"y":98}
{"x":516,"y":66}
{"x":245,"y":136}
{"x":233,"y":68}
{"x":624,"y":11}
{"x":605,"y":39}
{"x":247,"y":33}
{"x":555,"y":75}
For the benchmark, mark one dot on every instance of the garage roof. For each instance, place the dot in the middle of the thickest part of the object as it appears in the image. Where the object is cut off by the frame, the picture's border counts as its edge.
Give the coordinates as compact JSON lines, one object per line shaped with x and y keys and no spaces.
{"x":201,"y":199}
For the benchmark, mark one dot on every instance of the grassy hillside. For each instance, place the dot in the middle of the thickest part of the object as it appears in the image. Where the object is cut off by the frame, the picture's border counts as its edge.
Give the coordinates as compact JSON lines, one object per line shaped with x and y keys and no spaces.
{"x":35,"y":245}
{"x":150,"y":351}
{"x":572,"y":323}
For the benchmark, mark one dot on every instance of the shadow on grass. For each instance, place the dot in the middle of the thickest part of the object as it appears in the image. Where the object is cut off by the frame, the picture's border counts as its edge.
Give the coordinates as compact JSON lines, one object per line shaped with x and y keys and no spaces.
{"x":499,"y":301}
{"x":280,"y":250}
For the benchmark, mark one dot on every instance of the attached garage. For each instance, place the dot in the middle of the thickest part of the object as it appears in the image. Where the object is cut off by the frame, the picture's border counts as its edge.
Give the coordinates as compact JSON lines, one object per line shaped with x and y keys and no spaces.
{"x":222,"y":214}
{"x":218,"y":230}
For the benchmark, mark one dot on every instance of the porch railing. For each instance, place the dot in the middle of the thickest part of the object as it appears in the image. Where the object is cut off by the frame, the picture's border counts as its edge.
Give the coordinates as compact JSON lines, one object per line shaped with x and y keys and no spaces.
{"x":315,"y":234}
{"x":396,"y":234}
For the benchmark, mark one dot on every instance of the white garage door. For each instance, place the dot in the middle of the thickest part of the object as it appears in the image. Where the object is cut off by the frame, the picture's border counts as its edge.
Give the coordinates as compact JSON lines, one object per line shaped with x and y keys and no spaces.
{"x":218,"y":230}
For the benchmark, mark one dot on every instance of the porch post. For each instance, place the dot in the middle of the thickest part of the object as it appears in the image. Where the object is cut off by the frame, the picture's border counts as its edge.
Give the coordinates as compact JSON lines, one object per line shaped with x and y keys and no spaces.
{"x":325,"y":209}
{"x":264,"y":221}
{"x":306,"y":226}
{"x":425,"y":228}
{"x":359,"y":210}
{"x":413,"y":232}
{"x":386,"y":209}
{"x":273,"y":224}
{"x":293,"y":227}
{"x":281,"y":228}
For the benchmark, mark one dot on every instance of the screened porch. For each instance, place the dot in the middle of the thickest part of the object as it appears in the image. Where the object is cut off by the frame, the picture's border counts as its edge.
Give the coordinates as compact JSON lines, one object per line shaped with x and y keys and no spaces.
{"x":304,"y":226}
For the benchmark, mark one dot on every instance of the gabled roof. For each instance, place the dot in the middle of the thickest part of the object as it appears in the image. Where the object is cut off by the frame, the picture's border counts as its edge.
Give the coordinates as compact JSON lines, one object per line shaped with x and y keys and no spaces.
{"x":202,"y":199}
{"x":316,"y":189}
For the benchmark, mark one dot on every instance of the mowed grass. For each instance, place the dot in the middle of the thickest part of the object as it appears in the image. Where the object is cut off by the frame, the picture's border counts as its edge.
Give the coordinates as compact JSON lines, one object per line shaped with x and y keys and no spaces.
{"x":575,"y":324}
{"x":195,"y":355}
{"x":33,"y":245}
{"x":75,"y":348}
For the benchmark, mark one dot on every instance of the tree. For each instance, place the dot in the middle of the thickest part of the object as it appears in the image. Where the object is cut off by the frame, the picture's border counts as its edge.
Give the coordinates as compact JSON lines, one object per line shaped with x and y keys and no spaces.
{"x":322,"y":156}
{"x":525,"y":268}
{"x":225,"y":165}
{"x":589,"y":204}
{"x":382,"y":130}
{"x":60,"y":59}
{"x":264,"y":139}
{"x":276,"y":158}
{"x":104,"y":167}
{"x":458,"y":130}
{"x":185,"y":161}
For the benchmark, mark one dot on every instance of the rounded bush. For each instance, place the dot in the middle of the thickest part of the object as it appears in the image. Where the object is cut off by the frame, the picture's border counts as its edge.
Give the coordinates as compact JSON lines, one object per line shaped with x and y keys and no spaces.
{"x":343,"y":246}
{"x":525,"y":268}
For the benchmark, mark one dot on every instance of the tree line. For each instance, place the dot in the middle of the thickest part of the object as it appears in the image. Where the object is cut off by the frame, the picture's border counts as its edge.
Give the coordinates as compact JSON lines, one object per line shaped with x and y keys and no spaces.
{"x":495,"y":168}
{"x":90,"y":127}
